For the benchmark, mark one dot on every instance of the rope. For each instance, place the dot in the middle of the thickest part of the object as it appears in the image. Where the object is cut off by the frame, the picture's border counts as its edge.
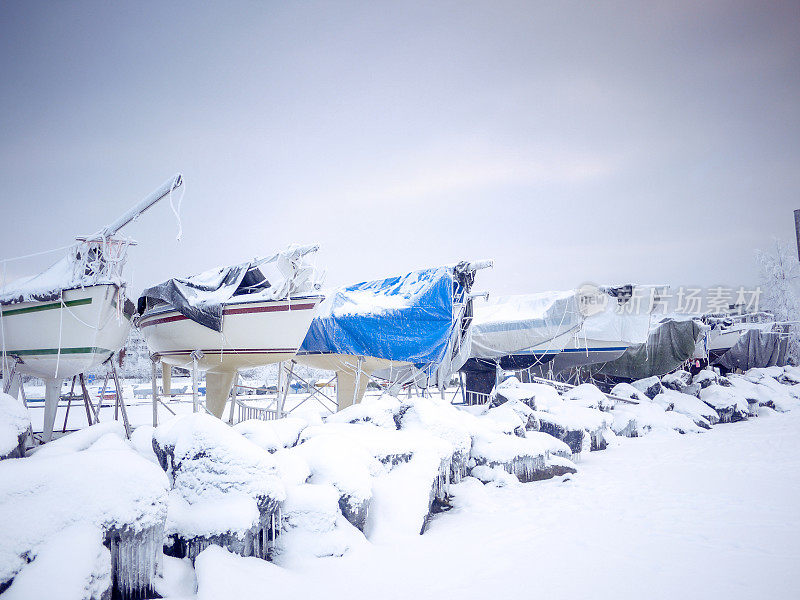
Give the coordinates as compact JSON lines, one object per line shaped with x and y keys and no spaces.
{"x":177,"y":211}
{"x":60,"y":330}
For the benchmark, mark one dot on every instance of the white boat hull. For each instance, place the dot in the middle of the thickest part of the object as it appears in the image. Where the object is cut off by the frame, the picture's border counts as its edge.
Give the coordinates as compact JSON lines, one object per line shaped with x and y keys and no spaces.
{"x":60,"y":339}
{"x":581,"y":352}
{"x":253,"y":334}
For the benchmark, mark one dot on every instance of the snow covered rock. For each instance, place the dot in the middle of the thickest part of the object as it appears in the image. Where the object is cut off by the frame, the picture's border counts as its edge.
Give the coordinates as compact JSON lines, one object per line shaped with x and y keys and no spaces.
{"x":628,"y":392}
{"x":650,"y":387}
{"x":535,"y":395}
{"x":698,"y":411}
{"x":729,"y":404}
{"x":636,"y":420}
{"x":378,"y":411}
{"x":114,"y":490}
{"x":312,"y":526}
{"x":71,"y":565}
{"x":342,"y":463}
{"x":589,"y":396}
{"x":15,"y":425}
{"x":677,"y":380}
{"x":272,"y":435}
{"x":705,"y":378}
{"x":80,"y":440}
{"x":509,"y":421}
{"x":790,"y":375}
{"x":225,"y":489}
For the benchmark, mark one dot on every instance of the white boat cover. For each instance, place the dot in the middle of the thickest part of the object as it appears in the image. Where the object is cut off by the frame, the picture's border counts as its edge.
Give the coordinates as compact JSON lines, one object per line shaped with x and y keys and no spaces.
{"x":621,"y":319}
{"x":201,"y":297}
{"x":68,"y":273}
{"x":509,"y":325}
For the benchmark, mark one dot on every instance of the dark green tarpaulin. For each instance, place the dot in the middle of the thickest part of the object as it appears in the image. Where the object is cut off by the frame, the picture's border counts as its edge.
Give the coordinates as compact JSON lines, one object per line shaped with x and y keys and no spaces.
{"x":667,"y":347}
{"x":756,"y":349}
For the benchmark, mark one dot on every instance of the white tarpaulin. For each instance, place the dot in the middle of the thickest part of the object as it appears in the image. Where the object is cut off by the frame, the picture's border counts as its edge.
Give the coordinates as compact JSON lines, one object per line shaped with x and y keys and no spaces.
{"x":522,"y":324}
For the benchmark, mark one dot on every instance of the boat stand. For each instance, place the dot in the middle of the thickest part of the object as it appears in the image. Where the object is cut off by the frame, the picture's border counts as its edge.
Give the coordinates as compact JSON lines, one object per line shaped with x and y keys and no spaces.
{"x":154,"y":360}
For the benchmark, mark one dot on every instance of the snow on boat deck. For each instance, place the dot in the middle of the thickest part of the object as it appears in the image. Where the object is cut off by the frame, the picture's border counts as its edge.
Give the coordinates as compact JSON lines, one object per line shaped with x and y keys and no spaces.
{"x":664,"y":516}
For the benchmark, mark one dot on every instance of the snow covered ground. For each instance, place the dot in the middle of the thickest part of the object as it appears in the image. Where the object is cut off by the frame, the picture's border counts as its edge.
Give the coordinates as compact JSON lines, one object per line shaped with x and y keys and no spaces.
{"x":709,"y":515}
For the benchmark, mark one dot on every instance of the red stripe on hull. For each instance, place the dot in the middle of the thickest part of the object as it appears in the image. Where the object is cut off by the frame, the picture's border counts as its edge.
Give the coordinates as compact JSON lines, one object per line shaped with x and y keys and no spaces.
{"x":235,"y":311}
{"x":232,"y":351}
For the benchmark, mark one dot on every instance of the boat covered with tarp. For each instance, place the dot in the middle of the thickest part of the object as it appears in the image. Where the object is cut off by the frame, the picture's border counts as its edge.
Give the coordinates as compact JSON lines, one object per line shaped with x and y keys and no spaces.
{"x":519,"y":332}
{"x":670,"y":343}
{"x":402,"y":328}
{"x":229,"y":318}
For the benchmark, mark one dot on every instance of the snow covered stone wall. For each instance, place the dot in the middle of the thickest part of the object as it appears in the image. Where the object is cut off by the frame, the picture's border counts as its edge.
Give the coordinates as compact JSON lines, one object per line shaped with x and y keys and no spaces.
{"x":107,"y":493}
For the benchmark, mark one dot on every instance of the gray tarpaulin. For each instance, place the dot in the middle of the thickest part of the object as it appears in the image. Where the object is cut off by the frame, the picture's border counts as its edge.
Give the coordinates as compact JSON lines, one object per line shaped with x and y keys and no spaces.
{"x":755,"y":349}
{"x":201,"y":297}
{"x":667,"y":347}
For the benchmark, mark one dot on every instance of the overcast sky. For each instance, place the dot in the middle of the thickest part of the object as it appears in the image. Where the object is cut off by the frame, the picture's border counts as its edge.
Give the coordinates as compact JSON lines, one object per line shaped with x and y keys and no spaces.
{"x":570,"y":141}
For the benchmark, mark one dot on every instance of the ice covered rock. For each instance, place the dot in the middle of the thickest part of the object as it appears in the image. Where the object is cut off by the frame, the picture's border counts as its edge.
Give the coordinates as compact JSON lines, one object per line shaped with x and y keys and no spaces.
{"x":698,"y":411}
{"x":580,"y":427}
{"x":729,"y":404}
{"x":312,"y":525}
{"x":442,"y":420}
{"x":15,"y":425}
{"x":272,"y":435}
{"x":225,"y":489}
{"x":527,"y":457}
{"x":589,"y":396}
{"x":403,"y":499}
{"x":73,"y":564}
{"x":650,"y":387}
{"x":676,"y":380}
{"x":636,"y":420}
{"x":116,"y":491}
{"x":342,"y":462}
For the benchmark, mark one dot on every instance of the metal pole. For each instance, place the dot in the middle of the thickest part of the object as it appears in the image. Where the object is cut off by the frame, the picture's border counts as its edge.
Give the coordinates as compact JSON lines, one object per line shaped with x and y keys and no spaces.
{"x":195,"y":399}
{"x":233,"y":397}
{"x":87,"y":402}
{"x":154,"y":383}
{"x":120,"y":402}
{"x":358,"y":379}
{"x":797,"y":230}
{"x":69,"y":404}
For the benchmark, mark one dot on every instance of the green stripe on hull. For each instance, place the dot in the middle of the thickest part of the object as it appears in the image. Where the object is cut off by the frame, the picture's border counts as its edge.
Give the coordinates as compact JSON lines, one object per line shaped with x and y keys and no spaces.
{"x":50,"y":306}
{"x":50,"y":351}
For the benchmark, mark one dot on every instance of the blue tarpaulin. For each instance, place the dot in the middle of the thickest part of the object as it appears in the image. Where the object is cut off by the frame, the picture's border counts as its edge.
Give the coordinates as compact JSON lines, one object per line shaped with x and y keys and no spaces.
{"x":406,"y":318}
